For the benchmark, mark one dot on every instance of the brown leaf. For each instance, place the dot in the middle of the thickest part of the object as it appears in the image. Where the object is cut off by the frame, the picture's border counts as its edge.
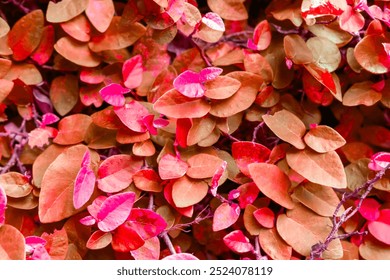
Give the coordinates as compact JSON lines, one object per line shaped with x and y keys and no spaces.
{"x":257,"y":64}
{"x":117,"y":36}
{"x":325,"y":169}
{"x":353,"y":151}
{"x":64,"y":93}
{"x":187,"y":191}
{"x":202,"y":165}
{"x":273,"y":245}
{"x":4,"y":27}
{"x":72,"y":129}
{"x":325,"y":53}
{"x":301,"y":229}
{"x":297,"y":50}
{"x":371,"y":54}
{"x":322,"y":200}
{"x":26,"y":34}
{"x":76,"y":52}
{"x":78,"y":28}
{"x":5,"y":89}
{"x":361,"y":93}
{"x":287,"y":127}
{"x":376,"y":135}
{"x":100,"y":13}
{"x":272,"y":182}
{"x":242,"y":99}
{"x":324,"y":139}
{"x":200,"y":129}
{"x":15,"y":184}
{"x":65,"y":10}
{"x":221,"y":87}
{"x":100,"y":138}
{"x":371,"y":249}
{"x":229,"y":9}
{"x":250,"y":223}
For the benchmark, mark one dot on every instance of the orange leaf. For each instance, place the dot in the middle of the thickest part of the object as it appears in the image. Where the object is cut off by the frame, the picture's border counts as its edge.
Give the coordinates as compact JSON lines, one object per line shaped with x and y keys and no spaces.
{"x":5,"y":89}
{"x":371,"y":54}
{"x":56,"y":244}
{"x":221,"y":87}
{"x":15,"y":184}
{"x":200,"y":129}
{"x":225,"y":215}
{"x":203,"y":165}
{"x":100,"y":13}
{"x":325,"y":169}
{"x":272,"y":182}
{"x":187,"y":191}
{"x":26,"y":35}
{"x":273,"y":245}
{"x":72,"y":129}
{"x":361,"y":93}
{"x":322,"y":139}
{"x":64,"y":93}
{"x":147,"y":180}
{"x":65,"y":10}
{"x":78,"y":28}
{"x":12,"y":245}
{"x":297,"y":50}
{"x":287,"y":127}
{"x":229,"y":9}
{"x":45,"y":48}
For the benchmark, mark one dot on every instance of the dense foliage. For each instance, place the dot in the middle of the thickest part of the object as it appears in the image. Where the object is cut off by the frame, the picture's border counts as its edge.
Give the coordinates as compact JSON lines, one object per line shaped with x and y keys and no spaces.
{"x":184,"y":129}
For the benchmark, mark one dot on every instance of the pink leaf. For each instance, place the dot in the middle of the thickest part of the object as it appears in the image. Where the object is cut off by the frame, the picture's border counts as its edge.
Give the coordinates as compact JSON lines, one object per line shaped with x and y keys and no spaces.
{"x":265,"y":217}
{"x":132,"y":114}
{"x":132,"y":72}
{"x":369,"y":209}
{"x":39,"y":137}
{"x":40,"y":253}
{"x":113,"y":94}
{"x":209,"y":73}
{"x":171,"y":167}
{"x":160,"y":122}
{"x":148,"y":122}
{"x":49,"y":118}
{"x":115,"y":210}
{"x":86,"y":161}
{"x":248,"y":194}
{"x":149,"y":251}
{"x":351,"y":20}
{"x":181,"y":256}
{"x":94,"y":208}
{"x":379,"y":161}
{"x":88,"y":221}
{"x":146,"y":223}
{"x":3,"y":205}
{"x":238,"y":242}
{"x":188,"y":83}
{"x":35,"y":248}
{"x":83,"y":187}
{"x":216,"y":177}
{"x":381,"y":227}
{"x":225,"y":216}
{"x":214,"y":21}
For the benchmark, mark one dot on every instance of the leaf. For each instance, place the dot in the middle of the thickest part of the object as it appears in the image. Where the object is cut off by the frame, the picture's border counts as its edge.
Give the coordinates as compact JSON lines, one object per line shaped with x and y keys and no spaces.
{"x":4,"y":27}
{"x":202,"y":165}
{"x":237,"y":242}
{"x":115,"y":210}
{"x":132,"y":71}
{"x":5,"y":89}
{"x":301,"y":229}
{"x":181,"y":257}
{"x":12,"y":246}
{"x":56,"y":196}
{"x":221,"y":87}
{"x":322,"y":139}
{"x":313,"y":9}
{"x":116,"y":172}
{"x":149,"y":251}
{"x":118,"y":36}
{"x":39,"y":137}
{"x":324,"y":169}
{"x":78,"y":28}
{"x":171,"y":167}
{"x":379,"y":161}
{"x":126,"y":239}
{"x":369,"y":209}
{"x":3,"y":205}
{"x":56,"y":244}
{"x":132,"y":114}
{"x":371,"y":55}
{"x":147,"y":180}
{"x":100,"y":13}
{"x":229,"y":9}
{"x":26,"y":35}
{"x":200,"y":129}
{"x":380,"y":227}
{"x":65,"y":10}
{"x":362,"y":93}
{"x":376,"y":135}
{"x":321,"y":199}
{"x":225,"y":215}
{"x":242,"y":99}
{"x":371,"y":249}
{"x":84,"y":184}
{"x":99,"y":240}
{"x":273,"y":182}
{"x":325,"y":53}
{"x":146,"y":223}
{"x":187,"y":191}
{"x":15,"y":184}
{"x":297,"y":50}
{"x":248,"y":194}
{"x":48,"y":119}
{"x":72,"y":129}
{"x":287,"y":127}
{"x":211,"y":28}
{"x":76,"y":52}
{"x":185,"y":211}
{"x":113,"y":94}
{"x":273,"y":245}
{"x":182,"y":128}
{"x":351,"y":20}
{"x":261,"y":36}
{"x":64,"y":93}
{"x":247,"y":152}
{"x":265,"y":217}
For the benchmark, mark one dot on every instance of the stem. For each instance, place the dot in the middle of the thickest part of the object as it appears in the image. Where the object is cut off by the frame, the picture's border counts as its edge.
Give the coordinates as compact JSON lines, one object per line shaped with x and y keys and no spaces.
{"x":168,"y":242}
{"x":151,"y":201}
{"x":256,"y":130}
{"x":202,"y":53}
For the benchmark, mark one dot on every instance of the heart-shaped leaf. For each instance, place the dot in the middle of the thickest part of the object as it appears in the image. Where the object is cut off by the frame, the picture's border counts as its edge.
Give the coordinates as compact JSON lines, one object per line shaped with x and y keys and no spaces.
{"x":113,"y":94}
{"x":12,"y":244}
{"x":99,"y":239}
{"x":225,"y":215}
{"x":132,"y":72}
{"x":171,"y":167}
{"x":238,"y":242}
{"x":146,"y":223}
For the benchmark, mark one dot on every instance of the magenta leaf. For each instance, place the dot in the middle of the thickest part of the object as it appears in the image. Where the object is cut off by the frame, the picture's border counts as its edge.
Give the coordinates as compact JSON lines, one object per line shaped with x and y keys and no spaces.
{"x":160,"y":122}
{"x":369,"y":209}
{"x":132,"y":114}
{"x":49,"y":118}
{"x":214,"y":21}
{"x":3,"y":205}
{"x":379,"y":161}
{"x":83,"y":187}
{"x":180,"y":256}
{"x":113,"y":94}
{"x":188,"y":83}
{"x":132,"y":72}
{"x":86,"y":161}
{"x":94,"y":208}
{"x":35,"y":248}
{"x":238,"y":242}
{"x":148,"y":122}
{"x":225,"y":215}
{"x":381,"y":227}
{"x":209,"y":73}
{"x":115,"y":210}
{"x":146,"y":223}
{"x":216,"y":177}
{"x":88,"y":221}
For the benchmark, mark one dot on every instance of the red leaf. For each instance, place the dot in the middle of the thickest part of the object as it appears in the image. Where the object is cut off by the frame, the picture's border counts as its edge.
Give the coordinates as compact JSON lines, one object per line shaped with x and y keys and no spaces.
{"x":351,"y":20}
{"x":115,"y":210}
{"x":45,"y":48}
{"x":216,"y":177}
{"x":3,"y":205}
{"x":146,"y":223}
{"x":113,"y":94}
{"x":379,"y":161}
{"x":131,"y":115}
{"x":225,"y":216}
{"x":116,"y":172}
{"x":248,"y":194}
{"x":180,"y":256}
{"x":126,"y":239}
{"x":171,"y":167}
{"x":132,"y":72}
{"x":369,"y":209}
{"x":381,"y":227}
{"x":262,"y":35}
{"x":265,"y":217}
{"x":245,"y":152}
{"x":99,"y":239}
{"x":183,"y":126}
{"x":237,"y":242}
